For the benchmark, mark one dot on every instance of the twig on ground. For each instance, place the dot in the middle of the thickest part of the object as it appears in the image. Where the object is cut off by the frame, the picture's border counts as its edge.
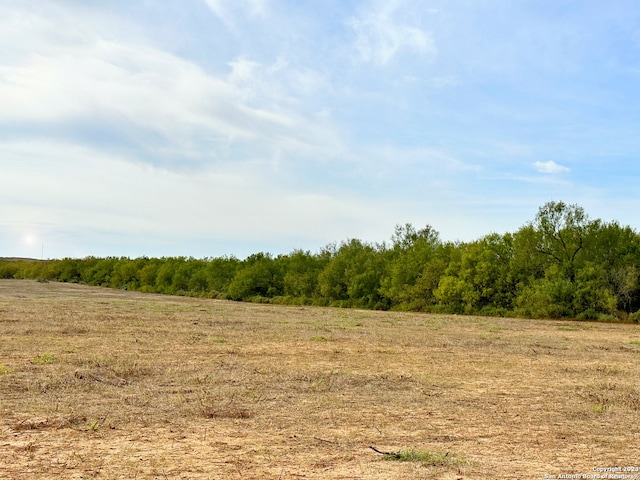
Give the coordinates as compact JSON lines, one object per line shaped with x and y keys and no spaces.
{"x":323,"y":440}
{"x":388,"y":454}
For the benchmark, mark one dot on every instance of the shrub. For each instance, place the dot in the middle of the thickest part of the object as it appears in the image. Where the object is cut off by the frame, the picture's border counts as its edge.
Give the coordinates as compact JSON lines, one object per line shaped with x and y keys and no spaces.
{"x":635,"y":317}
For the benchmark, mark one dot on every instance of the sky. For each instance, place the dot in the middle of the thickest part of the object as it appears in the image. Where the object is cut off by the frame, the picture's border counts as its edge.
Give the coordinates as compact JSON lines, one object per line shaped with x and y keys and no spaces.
{"x":208,"y":128}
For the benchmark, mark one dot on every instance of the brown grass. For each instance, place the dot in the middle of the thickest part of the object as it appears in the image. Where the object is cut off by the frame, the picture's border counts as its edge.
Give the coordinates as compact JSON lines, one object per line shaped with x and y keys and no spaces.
{"x":146,"y":386}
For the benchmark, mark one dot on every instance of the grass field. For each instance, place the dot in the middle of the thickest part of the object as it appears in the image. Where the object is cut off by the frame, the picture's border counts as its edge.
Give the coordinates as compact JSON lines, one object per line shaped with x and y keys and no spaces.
{"x":106,"y":384}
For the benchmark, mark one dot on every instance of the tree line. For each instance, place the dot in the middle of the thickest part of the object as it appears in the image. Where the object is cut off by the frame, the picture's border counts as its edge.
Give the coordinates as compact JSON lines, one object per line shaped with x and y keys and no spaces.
{"x":560,"y":264}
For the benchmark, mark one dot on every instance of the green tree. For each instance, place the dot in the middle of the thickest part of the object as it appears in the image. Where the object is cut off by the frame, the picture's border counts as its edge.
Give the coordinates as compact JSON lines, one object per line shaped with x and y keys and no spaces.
{"x":148,"y":274}
{"x":8,"y":269}
{"x":125,"y":274}
{"x":220,"y":273}
{"x":301,"y":274}
{"x":257,"y":277}
{"x":164,"y":276}
{"x":561,"y":231}
{"x":616,"y":250}
{"x":413,"y":268}
{"x":352,"y":276}
{"x":478,"y":279}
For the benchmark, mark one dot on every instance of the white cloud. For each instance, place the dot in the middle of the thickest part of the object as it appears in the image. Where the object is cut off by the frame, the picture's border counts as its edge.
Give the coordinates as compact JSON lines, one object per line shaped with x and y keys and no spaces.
{"x":168,"y":107}
{"x":380,"y":36}
{"x":90,"y":193}
{"x":550,"y":167}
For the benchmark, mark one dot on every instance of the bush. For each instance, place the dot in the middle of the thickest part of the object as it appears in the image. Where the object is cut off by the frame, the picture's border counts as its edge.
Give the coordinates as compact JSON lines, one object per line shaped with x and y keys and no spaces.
{"x":635,"y":317}
{"x":8,"y":270}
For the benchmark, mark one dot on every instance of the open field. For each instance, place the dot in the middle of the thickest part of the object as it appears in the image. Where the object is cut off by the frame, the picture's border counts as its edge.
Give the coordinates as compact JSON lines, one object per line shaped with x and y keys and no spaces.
{"x":106,"y":384}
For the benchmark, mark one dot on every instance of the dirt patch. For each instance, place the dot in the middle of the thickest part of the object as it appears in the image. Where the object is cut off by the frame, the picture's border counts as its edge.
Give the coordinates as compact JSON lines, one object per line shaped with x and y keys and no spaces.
{"x":150,"y":386}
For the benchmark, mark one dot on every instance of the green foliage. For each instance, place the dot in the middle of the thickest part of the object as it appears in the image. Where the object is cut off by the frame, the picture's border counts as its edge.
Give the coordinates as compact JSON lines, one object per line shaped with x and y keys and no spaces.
{"x":562,"y":264}
{"x":426,"y":458}
{"x":352,"y":276}
{"x":94,"y":426}
{"x":480,"y":278}
{"x":8,"y":269}
{"x":561,"y":231}
{"x":301,"y":270}
{"x":45,"y":358}
{"x":414,"y":267}
{"x":259,"y":276}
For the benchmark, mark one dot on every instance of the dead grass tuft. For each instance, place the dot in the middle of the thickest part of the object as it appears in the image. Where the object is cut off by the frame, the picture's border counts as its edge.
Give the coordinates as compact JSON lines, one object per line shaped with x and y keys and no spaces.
{"x":606,"y":395}
{"x":226,"y":412}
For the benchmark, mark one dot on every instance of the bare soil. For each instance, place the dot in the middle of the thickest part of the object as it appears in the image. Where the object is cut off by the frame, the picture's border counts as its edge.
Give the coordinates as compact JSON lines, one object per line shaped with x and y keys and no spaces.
{"x":106,"y":384}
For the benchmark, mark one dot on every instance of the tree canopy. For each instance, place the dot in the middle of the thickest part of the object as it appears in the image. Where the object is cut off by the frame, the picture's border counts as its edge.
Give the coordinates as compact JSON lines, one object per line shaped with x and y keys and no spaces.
{"x":560,"y":264}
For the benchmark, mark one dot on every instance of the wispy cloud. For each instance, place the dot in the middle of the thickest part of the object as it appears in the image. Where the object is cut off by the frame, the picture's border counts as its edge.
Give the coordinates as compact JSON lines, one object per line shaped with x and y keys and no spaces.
{"x":178,"y":114}
{"x":297,"y":123}
{"x":227,"y":10}
{"x":96,"y":194}
{"x":550,"y":167}
{"x":380,"y":35}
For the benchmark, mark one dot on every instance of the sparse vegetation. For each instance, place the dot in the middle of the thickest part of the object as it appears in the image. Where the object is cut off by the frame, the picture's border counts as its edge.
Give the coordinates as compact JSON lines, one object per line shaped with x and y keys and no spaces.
{"x":319,"y":338}
{"x":45,"y":358}
{"x":94,"y":426}
{"x":568,"y":328}
{"x":426,"y":458}
{"x":4,"y":370}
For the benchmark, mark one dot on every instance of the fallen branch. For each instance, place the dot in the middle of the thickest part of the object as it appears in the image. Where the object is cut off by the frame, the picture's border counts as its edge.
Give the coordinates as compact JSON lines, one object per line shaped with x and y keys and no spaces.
{"x":387,"y":454}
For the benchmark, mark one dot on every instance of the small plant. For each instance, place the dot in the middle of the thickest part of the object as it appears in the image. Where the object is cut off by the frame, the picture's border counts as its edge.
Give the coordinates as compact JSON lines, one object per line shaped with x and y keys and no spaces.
{"x":5,"y":370}
{"x":46,"y":358}
{"x":319,"y":339}
{"x":601,"y":407}
{"x":97,"y":424}
{"x":216,"y":340}
{"x":94,"y":426}
{"x":568,"y":328}
{"x":426,"y":458}
{"x":97,"y":361}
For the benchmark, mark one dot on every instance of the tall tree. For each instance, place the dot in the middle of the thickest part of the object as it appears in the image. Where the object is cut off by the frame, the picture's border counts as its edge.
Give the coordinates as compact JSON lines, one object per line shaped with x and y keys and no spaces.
{"x":561,"y":231}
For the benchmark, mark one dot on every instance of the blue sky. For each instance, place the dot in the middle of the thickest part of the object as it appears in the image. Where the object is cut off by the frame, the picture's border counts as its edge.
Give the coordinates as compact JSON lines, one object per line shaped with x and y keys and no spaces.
{"x":227,"y":127}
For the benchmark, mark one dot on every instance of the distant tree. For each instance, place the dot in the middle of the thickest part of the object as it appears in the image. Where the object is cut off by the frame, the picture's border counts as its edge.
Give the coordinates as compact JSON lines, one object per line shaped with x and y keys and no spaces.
{"x":220,"y":273}
{"x":166,"y":271}
{"x":125,"y":274}
{"x":560,"y":264}
{"x":413,"y":268}
{"x":352,"y":276}
{"x":148,"y":274}
{"x":616,"y":251}
{"x":301,"y":270}
{"x":257,"y":277}
{"x":8,"y":269}
{"x":478,"y":278}
{"x":561,"y":231}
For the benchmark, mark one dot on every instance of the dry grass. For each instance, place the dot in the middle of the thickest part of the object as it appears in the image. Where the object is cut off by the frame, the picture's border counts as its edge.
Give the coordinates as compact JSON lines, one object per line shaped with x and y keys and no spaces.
{"x":107,"y":384}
